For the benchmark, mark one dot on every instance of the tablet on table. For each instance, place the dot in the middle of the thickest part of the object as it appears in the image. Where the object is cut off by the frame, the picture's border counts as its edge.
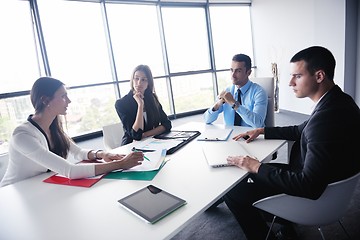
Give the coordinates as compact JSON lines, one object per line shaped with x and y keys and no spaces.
{"x":151,"y":203}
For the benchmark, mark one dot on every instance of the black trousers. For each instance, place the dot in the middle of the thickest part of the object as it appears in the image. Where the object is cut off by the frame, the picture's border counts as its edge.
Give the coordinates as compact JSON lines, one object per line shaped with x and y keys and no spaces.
{"x":240,"y":200}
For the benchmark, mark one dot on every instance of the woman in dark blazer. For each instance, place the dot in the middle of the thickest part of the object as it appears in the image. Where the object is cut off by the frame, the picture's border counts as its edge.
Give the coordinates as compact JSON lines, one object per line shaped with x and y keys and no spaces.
{"x":140,"y":110}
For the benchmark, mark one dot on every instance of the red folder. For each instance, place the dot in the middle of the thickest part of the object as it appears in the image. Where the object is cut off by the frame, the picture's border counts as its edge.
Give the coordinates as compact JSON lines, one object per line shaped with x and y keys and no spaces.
{"x":84,"y":182}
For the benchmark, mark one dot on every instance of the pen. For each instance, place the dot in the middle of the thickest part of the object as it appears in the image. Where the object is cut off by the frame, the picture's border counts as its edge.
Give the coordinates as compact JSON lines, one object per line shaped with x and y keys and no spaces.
{"x":143,"y":150}
{"x":135,"y":150}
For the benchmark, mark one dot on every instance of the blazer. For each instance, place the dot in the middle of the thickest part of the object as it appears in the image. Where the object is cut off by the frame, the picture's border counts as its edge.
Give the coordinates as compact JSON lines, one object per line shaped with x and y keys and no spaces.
{"x":126,"y":108}
{"x":29,"y":155}
{"x":328,"y":148}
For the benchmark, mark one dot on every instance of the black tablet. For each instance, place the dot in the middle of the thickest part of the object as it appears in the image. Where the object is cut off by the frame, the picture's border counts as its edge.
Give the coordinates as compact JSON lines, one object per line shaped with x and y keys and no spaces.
{"x":151,"y":203}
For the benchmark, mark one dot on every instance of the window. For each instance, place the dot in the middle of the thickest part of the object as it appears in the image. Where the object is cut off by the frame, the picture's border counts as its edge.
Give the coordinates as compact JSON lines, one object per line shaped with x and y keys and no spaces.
{"x":76,"y":46}
{"x":231,"y":31}
{"x":93,"y":47}
{"x":19,"y":62}
{"x":135,"y":37}
{"x":192,"y":92}
{"x":18,"y":56}
{"x":186,"y":38}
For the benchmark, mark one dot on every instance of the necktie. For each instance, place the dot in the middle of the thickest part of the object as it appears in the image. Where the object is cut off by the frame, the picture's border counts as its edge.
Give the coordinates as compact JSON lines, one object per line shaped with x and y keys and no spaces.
{"x":237,"y":119}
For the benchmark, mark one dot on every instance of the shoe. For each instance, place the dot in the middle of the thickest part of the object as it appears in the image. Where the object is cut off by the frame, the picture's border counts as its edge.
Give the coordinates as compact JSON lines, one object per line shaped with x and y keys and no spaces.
{"x":286,"y":233}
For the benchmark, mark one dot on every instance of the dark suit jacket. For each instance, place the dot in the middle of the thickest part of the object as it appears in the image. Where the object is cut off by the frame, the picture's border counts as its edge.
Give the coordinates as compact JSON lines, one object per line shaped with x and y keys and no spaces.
{"x":328,"y":148}
{"x":126,"y":108}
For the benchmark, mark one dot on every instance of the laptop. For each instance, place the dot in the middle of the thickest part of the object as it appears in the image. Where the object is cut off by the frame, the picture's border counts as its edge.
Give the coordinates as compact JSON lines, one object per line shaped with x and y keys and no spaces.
{"x":217,"y":152}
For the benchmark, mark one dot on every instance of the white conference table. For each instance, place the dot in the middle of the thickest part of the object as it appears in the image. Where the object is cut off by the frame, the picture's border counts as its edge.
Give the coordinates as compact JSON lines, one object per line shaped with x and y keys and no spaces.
{"x":34,"y":210}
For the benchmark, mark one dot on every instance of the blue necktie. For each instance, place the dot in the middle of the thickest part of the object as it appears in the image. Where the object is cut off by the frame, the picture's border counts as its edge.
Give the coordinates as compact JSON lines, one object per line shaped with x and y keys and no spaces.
{"x":237,"y":119}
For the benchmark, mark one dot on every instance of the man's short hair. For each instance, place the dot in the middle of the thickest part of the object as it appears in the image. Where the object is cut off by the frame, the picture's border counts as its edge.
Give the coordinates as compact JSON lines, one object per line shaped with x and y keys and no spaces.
{"x":317,"y":58}
{"x":243,"y":58}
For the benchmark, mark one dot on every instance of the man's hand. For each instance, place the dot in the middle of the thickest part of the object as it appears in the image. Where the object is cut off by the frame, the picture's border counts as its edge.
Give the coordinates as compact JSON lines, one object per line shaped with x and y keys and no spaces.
{"x":249,"y":135}
{"x":246,"y":163}
{"x":227,"y":97}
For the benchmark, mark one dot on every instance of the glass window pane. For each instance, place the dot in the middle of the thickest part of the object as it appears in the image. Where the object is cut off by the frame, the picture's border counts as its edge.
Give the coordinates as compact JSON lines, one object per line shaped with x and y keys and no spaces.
{"x":124,"y":88}
{"x":13,"y":111}
{"x":75,"y":41}
{"x":231,"y":31}
{"x":186,"y":39}
{"x":135,"y":38}
{"x":163,"y":94}
{"x":192,"y":92}
{"x":18,"y":58}
{"x":88,"y":112}
{"x":224,"y":80}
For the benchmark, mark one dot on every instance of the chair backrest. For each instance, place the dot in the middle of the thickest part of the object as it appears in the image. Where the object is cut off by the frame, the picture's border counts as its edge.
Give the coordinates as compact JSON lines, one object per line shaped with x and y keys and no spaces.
{"x":4,"y":160}
{"x":112,"y":135}
{"x":268,"y":84}
{"x":327,"y":209}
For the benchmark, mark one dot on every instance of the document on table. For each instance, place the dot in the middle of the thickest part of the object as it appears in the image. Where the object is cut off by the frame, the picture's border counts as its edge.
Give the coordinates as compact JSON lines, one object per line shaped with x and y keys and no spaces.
{"x":159,"y":144}
{"x":152,"y":159}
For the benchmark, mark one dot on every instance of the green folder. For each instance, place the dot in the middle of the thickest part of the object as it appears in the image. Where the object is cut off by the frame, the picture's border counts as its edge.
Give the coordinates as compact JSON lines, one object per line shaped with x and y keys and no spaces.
{"x":140,"y":175}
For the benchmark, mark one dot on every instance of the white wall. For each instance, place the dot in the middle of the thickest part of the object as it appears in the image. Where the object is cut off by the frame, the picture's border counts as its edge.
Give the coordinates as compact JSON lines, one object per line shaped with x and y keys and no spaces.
{"x":281,"y":28}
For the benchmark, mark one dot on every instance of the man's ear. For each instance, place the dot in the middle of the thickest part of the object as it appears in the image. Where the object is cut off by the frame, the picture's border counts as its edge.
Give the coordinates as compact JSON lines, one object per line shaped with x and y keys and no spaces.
{"x":320,"y":76}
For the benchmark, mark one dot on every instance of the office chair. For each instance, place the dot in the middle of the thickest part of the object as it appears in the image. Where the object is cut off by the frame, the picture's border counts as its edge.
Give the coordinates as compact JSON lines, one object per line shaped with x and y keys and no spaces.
{"x":4,"y":160}
{"x":268,"y":84}
{"x":329,"y":208}
{"x":112,"y":135}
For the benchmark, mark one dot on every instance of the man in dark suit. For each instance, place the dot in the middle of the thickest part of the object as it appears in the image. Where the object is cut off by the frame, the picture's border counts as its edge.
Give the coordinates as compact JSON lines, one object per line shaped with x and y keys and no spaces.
{"x":324,"y":153}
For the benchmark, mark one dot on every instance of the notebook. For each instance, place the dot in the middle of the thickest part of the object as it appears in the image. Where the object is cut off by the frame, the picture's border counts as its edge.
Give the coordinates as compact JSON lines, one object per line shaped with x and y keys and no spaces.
{"x":215,"y":135}
{"x":151,"y":203}
{"x":216,"y":153}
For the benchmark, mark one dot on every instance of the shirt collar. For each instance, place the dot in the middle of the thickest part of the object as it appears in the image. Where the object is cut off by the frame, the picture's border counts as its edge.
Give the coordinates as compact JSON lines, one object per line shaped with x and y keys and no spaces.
{"x":315,"y":104}
{"x":244,"y":88}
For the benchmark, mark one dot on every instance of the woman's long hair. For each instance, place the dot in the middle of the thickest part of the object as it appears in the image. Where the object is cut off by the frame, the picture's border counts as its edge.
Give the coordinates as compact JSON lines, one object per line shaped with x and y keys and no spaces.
{"x":41,"y":94}
{"x":151,"y":100}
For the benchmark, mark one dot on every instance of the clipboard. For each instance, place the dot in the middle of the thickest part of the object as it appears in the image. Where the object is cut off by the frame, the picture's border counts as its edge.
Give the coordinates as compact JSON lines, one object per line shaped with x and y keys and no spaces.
{"x":215,"y":135}
{"x":184,"y":137}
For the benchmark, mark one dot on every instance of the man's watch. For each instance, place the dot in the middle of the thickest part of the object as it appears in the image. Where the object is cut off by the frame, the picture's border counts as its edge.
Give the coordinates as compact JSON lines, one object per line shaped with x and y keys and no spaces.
{"x":236,"y":105}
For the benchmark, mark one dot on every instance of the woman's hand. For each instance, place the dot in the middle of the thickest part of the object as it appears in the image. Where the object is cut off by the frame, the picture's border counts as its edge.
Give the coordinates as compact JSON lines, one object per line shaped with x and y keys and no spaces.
{"x":118,"y":161}
{"x":108,"y":157}
{"x":139,"y":98}
{"x":244,"y":162}
{"x":249,"y":135}
{"x":132,"y":159}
